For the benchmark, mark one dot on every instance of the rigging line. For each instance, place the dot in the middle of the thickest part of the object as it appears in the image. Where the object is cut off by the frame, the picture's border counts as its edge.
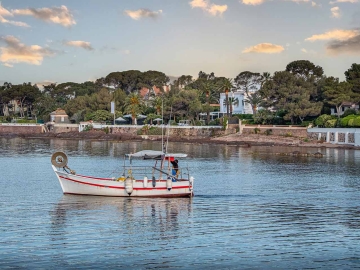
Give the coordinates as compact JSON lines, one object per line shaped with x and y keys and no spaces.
{"x":167,"y":140}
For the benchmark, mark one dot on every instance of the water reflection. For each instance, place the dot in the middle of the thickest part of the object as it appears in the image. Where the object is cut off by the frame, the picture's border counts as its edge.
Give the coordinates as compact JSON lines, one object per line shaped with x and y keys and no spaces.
{"x":160,"y":217}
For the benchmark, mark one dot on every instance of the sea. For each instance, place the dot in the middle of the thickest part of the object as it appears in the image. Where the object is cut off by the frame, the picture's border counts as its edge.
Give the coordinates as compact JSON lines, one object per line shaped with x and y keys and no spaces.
{"x":253,"y":209}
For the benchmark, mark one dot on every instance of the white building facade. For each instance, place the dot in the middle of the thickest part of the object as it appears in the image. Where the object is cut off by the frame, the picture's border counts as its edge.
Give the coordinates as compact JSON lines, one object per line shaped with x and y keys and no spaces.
{"x":239,"y":106}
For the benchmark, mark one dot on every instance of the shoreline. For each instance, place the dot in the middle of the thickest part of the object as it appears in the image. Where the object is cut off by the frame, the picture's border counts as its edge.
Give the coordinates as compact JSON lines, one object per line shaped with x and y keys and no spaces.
{"x":245,"y":140}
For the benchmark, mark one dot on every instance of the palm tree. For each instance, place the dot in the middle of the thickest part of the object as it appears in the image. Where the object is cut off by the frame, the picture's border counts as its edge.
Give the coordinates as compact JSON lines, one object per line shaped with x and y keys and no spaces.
{"x":265,"y":77}
{"x":227,"y":85}
{"x":133,"y":106}
{"x":254,"y":99}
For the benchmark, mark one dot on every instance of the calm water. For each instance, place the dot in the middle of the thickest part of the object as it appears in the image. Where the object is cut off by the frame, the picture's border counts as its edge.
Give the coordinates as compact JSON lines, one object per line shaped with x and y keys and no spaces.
{"x":252,"y":210}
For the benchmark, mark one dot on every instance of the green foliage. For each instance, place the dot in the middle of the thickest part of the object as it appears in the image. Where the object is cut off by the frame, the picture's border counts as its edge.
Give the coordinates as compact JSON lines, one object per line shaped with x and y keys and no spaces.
{"x":348,"y":112}
{"x":268,"y":132}
{"x":214,"y":122}
{"x":352,"y":76}
{"x":291,"y":94}
{"x":330,"y":123}
{"x":351,"y":122}
{"x":99,"y":116}
{"x":321,"y":120}
{"x":306,"y":123}
{"x":106,"y":130}
{"x":305,"y":69}
{"x":88,"y":127}
{"x":344,"y":122}
{"x":244,"y":116}
{"x":357,"y":121}
{"x":224,"y":122}
{"x":288,"y":134}
{"x":256,"y":130}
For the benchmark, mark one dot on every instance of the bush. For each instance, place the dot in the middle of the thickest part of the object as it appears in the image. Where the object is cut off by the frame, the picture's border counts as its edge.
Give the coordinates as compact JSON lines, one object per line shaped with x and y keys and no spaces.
{"x":351,"y":122}
{"x":306,"y":123}
{"x":348,"y":112}
{"x":243,"y":116}
{"x":357,"y":121}
{"x":88,"y":127}
{"x":256,"y":130}
{"x":344,"y":122}
{"x":268,"y":132}
{"x":330,"y":123}
{"x":321,"y":120}
{"x":214,"y":122}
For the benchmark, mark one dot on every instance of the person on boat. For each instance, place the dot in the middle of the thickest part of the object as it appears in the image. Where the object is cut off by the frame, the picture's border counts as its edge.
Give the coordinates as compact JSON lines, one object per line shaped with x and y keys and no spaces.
{"x":175,"y":164}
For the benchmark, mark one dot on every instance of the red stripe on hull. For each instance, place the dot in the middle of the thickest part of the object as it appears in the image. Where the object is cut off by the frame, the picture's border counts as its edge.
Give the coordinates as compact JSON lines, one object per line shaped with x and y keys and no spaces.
{"x":148,"y":196}
{"x":116,"y":187}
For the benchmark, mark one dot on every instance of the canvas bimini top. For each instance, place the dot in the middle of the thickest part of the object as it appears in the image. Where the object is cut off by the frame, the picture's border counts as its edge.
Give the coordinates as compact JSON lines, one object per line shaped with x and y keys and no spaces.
{"x":151,"y":154}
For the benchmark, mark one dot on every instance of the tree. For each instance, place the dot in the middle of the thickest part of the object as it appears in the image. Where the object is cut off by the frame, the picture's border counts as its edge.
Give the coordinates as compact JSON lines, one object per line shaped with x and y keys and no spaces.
{"x":248,"y":81}
{"x":337,"y":94}
{"x":290,"y":93}
{"x":305,"y":69}
{"x":126,"y":80}
{"x":25,"y":94}
{"x":226,"y":86}
{"x":133,"y":106}
{"x":352,"y":75}
{"x":183,"y":81}
{"x":254,"y":99}
{"x":153,"y":78}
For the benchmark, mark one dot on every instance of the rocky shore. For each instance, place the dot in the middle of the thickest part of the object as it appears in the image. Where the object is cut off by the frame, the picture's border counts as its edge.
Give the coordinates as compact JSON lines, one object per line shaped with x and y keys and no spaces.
{"x":244,"y":140}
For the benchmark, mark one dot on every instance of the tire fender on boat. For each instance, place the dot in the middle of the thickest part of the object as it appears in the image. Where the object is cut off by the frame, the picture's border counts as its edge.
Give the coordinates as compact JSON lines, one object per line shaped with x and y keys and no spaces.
{"x":145,"y":182}
{"x":129,"y":185}
{"x":169,"y":183}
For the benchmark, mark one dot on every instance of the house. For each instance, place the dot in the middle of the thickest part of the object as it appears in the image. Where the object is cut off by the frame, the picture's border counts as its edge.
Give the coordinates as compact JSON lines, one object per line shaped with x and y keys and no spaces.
{"x":238,"y":104}
{"x":147,"y":93}
{"x":344,"y":107}
{"x":59,"y":117}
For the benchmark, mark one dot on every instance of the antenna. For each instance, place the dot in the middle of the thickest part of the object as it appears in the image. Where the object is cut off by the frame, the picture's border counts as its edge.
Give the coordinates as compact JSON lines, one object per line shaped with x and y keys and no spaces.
{"x":162,"y":124}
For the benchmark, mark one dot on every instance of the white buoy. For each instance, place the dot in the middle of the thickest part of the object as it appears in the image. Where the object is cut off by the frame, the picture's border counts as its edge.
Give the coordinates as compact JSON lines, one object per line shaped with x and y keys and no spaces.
{"x":145,"y":182}
{"x":191,"y":182}
{"x":169,"y":184}
{"x":128,"y":185}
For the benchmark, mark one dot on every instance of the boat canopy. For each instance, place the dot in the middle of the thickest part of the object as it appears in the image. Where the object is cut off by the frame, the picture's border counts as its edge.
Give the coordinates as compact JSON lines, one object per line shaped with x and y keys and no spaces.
{"x":151,"y":154}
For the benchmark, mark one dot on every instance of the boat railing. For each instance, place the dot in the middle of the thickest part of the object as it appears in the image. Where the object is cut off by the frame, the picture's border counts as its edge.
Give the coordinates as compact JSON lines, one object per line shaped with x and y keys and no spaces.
{"x":140,"y":172}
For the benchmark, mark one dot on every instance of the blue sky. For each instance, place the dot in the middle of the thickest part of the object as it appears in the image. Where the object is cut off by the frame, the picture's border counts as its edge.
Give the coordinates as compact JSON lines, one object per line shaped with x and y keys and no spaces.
{"x":60,"y":41}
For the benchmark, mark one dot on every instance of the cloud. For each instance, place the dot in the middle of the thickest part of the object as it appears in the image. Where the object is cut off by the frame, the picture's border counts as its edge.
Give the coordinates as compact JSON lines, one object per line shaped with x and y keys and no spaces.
{"x":349,"y":46}
{"x":259,"y":2}
{"x":8,"y":65}
{"x":308,"y":52}
{"x":5,"y":13}
{"x":335,"y":12}
{"x":199,"y":4}
{"x":205,"y":5}
{"x":79,"y":43}
{"x":343,"y":1}
{"x":335,"y":34}
{"x":142,"y":13}
{"x":17,"y":52}
{"x":264,"y":48}
{"x":16,"y":23}
{"x":59,"y":15}
{"x":253,"y":2}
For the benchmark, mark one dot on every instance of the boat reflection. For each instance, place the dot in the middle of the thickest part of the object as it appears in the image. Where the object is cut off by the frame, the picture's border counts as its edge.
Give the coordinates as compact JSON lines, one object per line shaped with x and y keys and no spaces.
{"x":160,"y":216}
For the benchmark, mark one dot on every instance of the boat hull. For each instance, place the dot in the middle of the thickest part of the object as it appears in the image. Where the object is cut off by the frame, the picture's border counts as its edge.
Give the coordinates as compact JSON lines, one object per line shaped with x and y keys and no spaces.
{"x":87,"y":185}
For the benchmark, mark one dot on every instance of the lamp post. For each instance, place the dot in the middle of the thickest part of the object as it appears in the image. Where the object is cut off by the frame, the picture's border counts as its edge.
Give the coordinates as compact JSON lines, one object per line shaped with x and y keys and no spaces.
{"x":208,"y":107}
{"x":227,"y":101}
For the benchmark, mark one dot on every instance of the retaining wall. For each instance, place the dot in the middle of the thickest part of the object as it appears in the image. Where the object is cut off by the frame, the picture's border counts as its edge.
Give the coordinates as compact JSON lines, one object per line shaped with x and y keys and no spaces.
{"x":275,"y":130}
{"x":21,"y":128}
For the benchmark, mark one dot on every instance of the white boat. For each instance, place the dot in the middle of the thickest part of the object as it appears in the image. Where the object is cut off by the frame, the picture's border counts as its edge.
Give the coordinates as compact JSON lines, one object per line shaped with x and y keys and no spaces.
{"x":159,"y":180}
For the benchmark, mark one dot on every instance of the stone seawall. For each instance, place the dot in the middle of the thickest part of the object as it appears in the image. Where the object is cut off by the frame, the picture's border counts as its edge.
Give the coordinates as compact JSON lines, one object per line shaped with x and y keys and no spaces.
{"x":275,"y":130}
{"x":21,"y":129}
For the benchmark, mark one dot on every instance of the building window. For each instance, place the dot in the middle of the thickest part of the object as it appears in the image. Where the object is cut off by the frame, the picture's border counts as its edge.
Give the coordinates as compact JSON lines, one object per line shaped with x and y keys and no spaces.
{"x":62,"y":119}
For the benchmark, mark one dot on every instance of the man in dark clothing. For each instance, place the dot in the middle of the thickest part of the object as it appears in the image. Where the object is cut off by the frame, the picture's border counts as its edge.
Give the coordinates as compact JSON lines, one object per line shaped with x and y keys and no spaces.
{"x":175,"y":164}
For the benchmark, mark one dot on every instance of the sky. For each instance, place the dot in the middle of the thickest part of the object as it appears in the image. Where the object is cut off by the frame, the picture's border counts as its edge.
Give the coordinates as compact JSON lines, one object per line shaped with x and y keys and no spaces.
{"x":43,"y":41}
